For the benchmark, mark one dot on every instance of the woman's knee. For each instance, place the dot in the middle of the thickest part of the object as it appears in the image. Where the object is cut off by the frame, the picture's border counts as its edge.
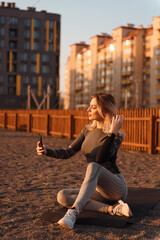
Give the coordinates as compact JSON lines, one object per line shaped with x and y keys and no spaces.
{"x":92,"y":169}
{"x":62,"y":197}
{"x":93,"y":165}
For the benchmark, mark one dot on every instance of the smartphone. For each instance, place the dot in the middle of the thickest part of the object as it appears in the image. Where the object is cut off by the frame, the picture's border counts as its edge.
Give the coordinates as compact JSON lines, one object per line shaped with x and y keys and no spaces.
{"x":40,"y":139}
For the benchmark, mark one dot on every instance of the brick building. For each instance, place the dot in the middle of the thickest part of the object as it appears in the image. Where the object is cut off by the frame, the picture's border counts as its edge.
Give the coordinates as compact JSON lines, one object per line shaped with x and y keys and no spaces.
{"x":29,"y":55}
{"x":125,"y":64}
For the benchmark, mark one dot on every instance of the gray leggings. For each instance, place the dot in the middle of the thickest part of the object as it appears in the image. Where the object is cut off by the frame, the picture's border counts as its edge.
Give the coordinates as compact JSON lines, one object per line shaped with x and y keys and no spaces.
{"x":99,"y":187}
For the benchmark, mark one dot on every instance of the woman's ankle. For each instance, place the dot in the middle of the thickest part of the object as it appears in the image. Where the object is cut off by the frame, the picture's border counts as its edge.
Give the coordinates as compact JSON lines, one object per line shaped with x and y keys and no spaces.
{"x":76,"y":207}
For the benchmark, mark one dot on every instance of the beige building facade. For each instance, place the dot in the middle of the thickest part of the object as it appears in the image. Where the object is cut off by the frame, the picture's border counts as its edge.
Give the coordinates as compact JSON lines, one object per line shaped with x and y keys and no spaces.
{"x":125,"y":64}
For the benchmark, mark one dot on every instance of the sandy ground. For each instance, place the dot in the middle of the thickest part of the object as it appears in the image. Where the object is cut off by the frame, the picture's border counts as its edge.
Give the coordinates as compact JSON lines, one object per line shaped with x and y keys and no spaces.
{"x":29,"y":185}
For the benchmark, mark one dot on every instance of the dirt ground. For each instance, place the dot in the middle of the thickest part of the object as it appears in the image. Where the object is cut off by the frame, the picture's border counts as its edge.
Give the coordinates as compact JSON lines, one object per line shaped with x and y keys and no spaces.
{"x":29,"y":184}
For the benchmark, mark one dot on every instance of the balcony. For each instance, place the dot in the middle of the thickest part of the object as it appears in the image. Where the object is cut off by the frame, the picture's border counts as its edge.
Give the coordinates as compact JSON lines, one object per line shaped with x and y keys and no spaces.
{"x":146,"y":98}
{"x":146,"y":71}
{"x":157,"y":97}
{"x":158,"y":86}
{"x":146,"y":90}
{"x":127,"y":64}
{"x":147,"y":54}
{"x":100,"y":84}
{"x":158,"y":35}
{"x":126,"y":81}
{"x":78,"y":88}
{"x":127,"y":73}
{"x":147,"y":63}
{"x":158,"y":66}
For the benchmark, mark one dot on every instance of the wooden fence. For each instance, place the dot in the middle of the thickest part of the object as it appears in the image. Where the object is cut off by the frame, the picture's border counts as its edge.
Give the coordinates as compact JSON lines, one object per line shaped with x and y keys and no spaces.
{"x":142,"y":126}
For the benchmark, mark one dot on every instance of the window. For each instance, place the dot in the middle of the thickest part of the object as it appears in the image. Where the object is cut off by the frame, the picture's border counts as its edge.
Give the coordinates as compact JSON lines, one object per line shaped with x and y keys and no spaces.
{"x":13,"y":44}
{"x":0,"y":55}
{"x":36,"y":23}
{"x":49,"y":80}
{"x":1,"y":43}
{"x":157,"y":71}
{"x":24,"y":56}
{"x":26,"y":33}
{"x":109,"y":55}
{"x":14,"y":67}
{"x":157,"y":51}
{"x":127,"y":42}
{"x":109,"y":71}
{"x":51,"y":36}
{"x":33,"y":68}
{"x":23,"y":67}
{"x":25,"y":79}
{"x":1,"y":31}
{"x":1,"y":19}
{"x":27,"y":22}
{"x":13,"y":33}
{"x":13,"y":20}
{"x":50,"y":47}
{"x":45,"y":58}
{"x":24,"y":91}
{"x":36,"y":45}
{"x":34,"y":80}
{"x":12,"y":79}
{"x":27,"y":45}
{"x":36,"y":35}
{"x":127,"y":51}
{"x":158,"y":61}
{"x":33,"y":57}
{"x":45,"y":69}
{"x":51,"y":24}
{"x":14,"y":56}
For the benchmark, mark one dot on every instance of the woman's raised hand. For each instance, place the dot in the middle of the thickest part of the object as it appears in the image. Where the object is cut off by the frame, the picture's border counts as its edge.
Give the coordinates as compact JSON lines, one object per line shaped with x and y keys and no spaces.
{"x":116,"y":123}
{"x":41,"y":150}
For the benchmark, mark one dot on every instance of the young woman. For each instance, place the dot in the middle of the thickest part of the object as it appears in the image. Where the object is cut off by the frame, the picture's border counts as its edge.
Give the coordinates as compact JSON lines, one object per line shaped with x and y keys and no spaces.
{"x":103,"y":181}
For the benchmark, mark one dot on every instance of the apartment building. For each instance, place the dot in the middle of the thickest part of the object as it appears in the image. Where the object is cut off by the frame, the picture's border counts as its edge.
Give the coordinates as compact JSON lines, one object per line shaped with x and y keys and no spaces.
{"x":29,"y":55}
{"x":125,"y":64}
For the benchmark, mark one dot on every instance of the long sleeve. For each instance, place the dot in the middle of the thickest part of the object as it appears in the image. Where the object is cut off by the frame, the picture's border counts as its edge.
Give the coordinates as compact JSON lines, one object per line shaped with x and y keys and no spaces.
{"x":60,"y":153}
{"x":109,"y":148}
{"x":71,"y":150}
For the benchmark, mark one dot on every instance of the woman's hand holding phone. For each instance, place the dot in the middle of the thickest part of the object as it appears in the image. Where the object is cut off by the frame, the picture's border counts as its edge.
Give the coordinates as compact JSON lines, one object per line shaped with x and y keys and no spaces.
{"x":41,"y":150}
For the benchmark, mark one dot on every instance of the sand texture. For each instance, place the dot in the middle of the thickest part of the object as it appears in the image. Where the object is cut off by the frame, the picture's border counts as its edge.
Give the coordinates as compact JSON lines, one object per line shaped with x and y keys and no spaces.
{"x":29,"y":184}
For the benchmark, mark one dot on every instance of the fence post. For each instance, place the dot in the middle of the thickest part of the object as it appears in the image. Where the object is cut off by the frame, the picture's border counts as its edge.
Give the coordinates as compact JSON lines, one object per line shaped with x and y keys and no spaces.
{"x":152,"y":140}
{"x":16,"y":122}
{"x":47,"y":124}
{"x":5,"y":120}
{"x":29,"y":123}
{"x":71,"y":126}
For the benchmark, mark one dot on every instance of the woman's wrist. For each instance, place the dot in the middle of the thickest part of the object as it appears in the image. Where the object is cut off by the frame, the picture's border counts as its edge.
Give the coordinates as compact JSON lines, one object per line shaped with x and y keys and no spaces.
{"x":111,"y":134}
{"x":112,"y":131}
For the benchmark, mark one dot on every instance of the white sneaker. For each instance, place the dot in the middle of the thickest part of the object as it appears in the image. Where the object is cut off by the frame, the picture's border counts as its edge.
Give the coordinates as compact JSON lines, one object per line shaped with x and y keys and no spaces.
{"x":69,"y":218}
{"x":122,"y":209}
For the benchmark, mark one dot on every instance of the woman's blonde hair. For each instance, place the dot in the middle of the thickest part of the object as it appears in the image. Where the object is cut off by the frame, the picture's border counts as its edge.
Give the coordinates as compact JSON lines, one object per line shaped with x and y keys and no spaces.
{"x":106,"y":109}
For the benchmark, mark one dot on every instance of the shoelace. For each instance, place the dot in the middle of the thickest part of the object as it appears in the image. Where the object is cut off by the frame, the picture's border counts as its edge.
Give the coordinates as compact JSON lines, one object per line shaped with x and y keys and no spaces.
{"x":71,"y":213}
{"x":118,"y":209}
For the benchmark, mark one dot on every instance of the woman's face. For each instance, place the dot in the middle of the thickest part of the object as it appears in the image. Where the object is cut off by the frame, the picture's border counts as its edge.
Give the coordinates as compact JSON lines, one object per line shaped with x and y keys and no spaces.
{"x":93,"y":111}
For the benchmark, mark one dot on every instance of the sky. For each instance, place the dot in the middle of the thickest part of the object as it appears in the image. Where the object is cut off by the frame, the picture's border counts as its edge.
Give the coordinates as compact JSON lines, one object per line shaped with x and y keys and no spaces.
{"x":83,"y":19}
